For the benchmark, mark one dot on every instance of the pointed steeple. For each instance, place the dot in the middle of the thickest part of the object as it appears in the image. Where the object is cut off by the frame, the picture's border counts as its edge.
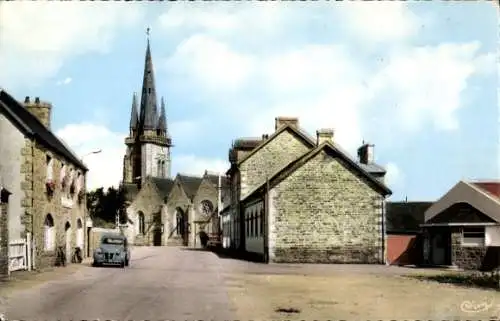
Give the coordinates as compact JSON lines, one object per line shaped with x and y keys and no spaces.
{"x":162,"y":120}
{"x":148,"y":98}
{"x":134,"y":118}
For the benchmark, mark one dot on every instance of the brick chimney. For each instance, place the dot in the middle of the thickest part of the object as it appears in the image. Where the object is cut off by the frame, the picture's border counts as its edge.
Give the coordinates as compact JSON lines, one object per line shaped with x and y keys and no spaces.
{"x":324,"y":135}
{"x":281,"y":121}
{"x":365,"y":153}
{"x":41,"y":110}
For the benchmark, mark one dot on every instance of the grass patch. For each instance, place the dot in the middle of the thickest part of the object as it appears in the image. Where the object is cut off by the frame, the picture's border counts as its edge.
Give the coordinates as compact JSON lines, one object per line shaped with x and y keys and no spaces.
{"x":480,"y":280}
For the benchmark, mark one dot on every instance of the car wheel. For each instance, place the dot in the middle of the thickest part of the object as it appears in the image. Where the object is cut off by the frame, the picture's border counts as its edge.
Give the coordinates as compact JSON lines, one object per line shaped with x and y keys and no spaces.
{"x":122,"y":265}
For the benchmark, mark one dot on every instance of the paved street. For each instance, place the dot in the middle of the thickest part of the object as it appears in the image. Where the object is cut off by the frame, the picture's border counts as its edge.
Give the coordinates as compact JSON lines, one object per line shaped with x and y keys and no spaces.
{"x":161,"y":283}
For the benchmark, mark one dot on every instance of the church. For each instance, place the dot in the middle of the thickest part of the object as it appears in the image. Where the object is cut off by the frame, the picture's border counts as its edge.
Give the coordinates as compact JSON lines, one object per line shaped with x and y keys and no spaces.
{"x":161,"y":209}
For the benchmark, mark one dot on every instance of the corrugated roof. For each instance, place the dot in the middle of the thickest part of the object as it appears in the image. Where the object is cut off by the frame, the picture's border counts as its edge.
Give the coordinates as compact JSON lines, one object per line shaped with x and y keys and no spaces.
{"x":492,"y":188}
{"x":33,"y":127}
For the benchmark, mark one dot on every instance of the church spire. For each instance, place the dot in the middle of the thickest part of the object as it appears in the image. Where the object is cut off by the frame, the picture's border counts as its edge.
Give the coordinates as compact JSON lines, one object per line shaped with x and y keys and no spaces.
{"x":148,"y":98}
{"x":162,"y":121}
{"x":134,"y":120}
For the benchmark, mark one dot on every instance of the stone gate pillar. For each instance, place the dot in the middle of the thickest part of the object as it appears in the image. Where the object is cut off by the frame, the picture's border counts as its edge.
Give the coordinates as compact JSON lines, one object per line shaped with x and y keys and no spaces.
{"x":4,"y":233}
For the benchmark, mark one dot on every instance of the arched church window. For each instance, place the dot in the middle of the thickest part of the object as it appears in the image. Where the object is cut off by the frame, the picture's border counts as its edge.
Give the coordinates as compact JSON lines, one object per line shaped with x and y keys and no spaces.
{"x":142,"y":225}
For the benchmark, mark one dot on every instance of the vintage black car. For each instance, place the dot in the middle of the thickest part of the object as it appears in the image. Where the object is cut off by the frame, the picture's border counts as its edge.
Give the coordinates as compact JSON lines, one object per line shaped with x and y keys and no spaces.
{"x":113,"y":250}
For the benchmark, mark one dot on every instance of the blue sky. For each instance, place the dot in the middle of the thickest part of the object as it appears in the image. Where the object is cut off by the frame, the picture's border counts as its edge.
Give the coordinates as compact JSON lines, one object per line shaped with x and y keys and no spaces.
{"x":418,"y":80}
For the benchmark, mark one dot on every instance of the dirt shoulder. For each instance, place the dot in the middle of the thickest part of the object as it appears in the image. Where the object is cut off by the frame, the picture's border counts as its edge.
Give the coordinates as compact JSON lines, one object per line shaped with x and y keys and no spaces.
{"x":21,"y":280}
{"x":341,"y":294}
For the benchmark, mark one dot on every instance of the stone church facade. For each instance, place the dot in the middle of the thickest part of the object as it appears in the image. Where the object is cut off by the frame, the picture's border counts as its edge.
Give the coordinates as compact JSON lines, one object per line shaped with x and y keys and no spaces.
{"x":161,"y":209}
{"x":297,"y":199}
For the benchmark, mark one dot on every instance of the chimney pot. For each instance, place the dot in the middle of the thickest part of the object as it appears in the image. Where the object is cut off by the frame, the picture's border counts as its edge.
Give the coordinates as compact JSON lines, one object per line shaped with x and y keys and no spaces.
{"x":281,"y":121}
{"x":324,"y":135}
{"x":27,"y":99}
{"x":37,"y":100}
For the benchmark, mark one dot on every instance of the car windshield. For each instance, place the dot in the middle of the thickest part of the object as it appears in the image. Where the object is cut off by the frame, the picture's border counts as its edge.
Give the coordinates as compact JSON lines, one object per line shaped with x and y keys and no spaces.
{"x":110,"y":240}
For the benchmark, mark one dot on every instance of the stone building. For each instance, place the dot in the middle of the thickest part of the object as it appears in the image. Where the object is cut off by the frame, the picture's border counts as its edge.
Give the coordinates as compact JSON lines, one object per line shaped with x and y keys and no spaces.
{"x":462,"y":228}
{"x":161,"y":210}
{"x":46,"y":179}
{"x":174,"y":211}
{"x":297,"y":199}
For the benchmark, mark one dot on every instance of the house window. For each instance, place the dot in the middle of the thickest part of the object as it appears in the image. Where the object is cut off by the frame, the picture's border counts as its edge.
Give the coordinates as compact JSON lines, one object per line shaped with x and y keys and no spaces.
{"x":158,"y":168}
{"x":49,"y":164}
{"x":49,"y":233}
{"x":473,"y":236}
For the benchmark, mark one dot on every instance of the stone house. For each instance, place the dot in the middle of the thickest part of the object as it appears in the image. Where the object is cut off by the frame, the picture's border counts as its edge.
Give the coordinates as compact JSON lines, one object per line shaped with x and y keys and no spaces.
{"x":46,"y":179}
{"x":174,"y":211}
{"x":461,"y":229}
{"x":296,"y":199}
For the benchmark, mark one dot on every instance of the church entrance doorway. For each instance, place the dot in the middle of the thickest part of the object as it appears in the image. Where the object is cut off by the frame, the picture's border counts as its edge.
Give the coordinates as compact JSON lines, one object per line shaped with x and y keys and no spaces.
{"x":157,"y":237}
{"x":182,"y":226}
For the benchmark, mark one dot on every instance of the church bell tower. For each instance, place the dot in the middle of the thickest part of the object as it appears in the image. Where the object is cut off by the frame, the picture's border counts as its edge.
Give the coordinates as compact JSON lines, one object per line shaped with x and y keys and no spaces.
{"x":149,"y":142}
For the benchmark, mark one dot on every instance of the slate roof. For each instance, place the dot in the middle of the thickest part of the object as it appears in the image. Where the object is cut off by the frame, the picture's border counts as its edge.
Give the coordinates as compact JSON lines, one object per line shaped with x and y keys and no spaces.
{"x":33,"y":128}
{"x":164,"y":185}
{"x":190,"y":184}
{"x":492,"y":188}
{"x":329,"y":148}
{"x":214,"y":179}
{"x":405,"y":216}
{"x":131,"y":191}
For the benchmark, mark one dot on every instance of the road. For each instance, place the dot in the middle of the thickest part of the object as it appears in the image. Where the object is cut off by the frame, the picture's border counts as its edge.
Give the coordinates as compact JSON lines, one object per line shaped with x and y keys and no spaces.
{"x":161,"y":283}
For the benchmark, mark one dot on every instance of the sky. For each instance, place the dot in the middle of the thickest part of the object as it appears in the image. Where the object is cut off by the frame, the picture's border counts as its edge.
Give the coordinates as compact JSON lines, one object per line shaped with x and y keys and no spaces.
{"x":418,"y":80}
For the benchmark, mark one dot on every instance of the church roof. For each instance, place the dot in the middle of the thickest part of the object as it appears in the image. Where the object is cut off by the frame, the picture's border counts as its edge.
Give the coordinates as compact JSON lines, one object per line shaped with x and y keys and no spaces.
{"x":190,"y":184}
{"x":214,"y":179}
{"x":148,"y":118}
{"x":32,"y":127}
{"x":164,"y":185}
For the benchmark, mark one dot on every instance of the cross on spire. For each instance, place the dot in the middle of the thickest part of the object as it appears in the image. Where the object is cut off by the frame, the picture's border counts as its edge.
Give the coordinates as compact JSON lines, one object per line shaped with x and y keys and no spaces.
{"x":147,"y":32}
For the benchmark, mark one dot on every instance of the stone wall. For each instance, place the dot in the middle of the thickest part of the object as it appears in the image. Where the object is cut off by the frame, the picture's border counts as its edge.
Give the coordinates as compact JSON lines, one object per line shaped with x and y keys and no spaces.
{"x":177,"y":200}
{"x":207,"y":191}
{"x":64,"y":207}
{"x":325,"y":213}
{"x":149,"y":202}
{"x":278,"y":152}
{"x":466,"y":257}
{"x":4,"y":240}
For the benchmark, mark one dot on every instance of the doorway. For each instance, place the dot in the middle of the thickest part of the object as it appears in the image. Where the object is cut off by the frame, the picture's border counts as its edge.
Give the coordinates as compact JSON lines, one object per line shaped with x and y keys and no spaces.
{"x":67,"y":229}
{"x":440,"y":247}
{"x":157,"y":237}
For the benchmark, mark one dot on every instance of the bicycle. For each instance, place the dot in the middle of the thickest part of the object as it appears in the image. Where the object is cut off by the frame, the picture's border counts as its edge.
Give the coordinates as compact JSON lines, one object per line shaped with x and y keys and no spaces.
{"x":77,"y":255}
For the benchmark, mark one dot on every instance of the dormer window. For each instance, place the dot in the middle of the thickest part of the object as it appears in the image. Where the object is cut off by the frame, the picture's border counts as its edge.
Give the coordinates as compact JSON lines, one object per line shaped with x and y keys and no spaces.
{"x":49,"y":167}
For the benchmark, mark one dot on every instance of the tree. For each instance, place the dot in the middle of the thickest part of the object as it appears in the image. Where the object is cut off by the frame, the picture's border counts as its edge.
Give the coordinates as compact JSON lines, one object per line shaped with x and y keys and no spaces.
{"x":103,"y":206}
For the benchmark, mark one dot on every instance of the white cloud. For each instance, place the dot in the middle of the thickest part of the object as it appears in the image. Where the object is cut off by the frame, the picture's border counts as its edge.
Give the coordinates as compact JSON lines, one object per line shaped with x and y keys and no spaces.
{"x":394,"y":178}
{"x":210,"y":63}
{"x":65,"y":81}
{"x":105,"y":168}
{"x":427,"y":82}
{"x":38,"y":38}
{"x":380,"y":21}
